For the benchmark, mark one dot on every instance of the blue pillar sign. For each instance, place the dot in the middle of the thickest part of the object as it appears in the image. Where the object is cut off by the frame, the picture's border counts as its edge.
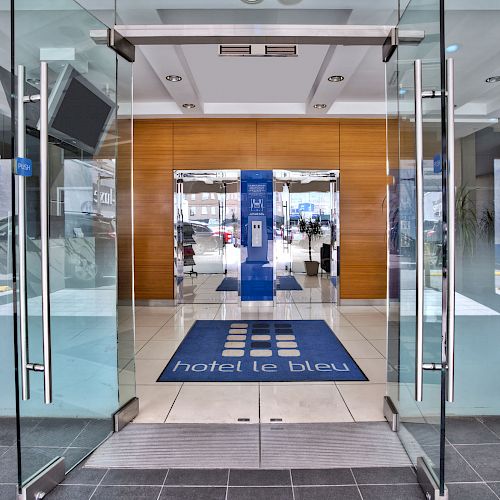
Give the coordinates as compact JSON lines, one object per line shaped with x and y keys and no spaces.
{"x":24,"y":167}
{"x":256,"y":235}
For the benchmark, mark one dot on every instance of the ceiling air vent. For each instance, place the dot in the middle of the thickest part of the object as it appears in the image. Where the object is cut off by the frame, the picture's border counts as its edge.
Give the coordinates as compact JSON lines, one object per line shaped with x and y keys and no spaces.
{"x":281,"y":50}
{"x":258,"y":50}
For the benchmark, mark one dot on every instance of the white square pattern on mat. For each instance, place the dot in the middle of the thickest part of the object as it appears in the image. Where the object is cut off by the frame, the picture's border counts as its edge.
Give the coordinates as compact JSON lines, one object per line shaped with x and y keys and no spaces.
{"x":261,"y":341}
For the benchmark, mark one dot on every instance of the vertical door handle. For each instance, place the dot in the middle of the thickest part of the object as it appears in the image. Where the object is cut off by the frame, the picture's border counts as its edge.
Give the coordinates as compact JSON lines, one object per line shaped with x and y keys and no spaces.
{"x":419,"y":184}
{"x":21,"y":214}
{"x":44,"y":228}
{"x":450,"y":196}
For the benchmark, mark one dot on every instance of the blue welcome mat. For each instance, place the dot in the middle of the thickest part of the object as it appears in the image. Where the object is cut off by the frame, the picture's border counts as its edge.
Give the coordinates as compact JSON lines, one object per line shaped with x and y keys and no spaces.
{"x":261,"y":351}
{"x":282,"y":283}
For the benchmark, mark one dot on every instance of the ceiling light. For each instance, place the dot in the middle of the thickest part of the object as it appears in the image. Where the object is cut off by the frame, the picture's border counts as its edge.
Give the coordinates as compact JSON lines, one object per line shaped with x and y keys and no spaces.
{"x":173,"y":78}
{"x":335,"y":78}
{"x":452,"y":48}
{"x":493,"y":79}
{"x":251,"y":2}
{"x":189,"y":105}
{"x":319,"y":106}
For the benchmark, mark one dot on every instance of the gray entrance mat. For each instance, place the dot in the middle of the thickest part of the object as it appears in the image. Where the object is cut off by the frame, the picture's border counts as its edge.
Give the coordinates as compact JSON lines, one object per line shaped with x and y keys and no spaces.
{"x":316,"y":446}
{"x":250,"y":446}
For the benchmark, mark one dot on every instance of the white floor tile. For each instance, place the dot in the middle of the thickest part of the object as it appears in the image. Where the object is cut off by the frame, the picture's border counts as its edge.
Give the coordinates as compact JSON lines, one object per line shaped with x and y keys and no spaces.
{"x":374,"y":369}
{"x":365,"y":402}
{"x":381,"y":346}
{"x":216,"y":404}
{"x":155,"y":401}
{"x":301,"y":403}
{"x":361,"y":349}
{"x":158,"y":349}
{"x":374,"y":319}
{"x":145,"y":332}
{"x":152,"y":320}
{"x":148,"y":370}
{"x":347,"y":333}
{"x":378,"y":332}
{"x":169,"y":332}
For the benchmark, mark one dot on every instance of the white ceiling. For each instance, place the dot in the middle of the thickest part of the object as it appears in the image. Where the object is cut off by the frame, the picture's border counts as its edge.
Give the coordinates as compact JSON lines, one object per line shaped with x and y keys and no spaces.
{"x":232,"y":86}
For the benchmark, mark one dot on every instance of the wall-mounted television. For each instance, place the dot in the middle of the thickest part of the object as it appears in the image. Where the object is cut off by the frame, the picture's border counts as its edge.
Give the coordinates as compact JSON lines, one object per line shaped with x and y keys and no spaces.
{"x":79,"y":113}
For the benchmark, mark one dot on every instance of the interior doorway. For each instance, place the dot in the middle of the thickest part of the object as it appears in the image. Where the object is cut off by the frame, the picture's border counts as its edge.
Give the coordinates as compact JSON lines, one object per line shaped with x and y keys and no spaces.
{"x":207,"y":235}
{"x":307,"y":199}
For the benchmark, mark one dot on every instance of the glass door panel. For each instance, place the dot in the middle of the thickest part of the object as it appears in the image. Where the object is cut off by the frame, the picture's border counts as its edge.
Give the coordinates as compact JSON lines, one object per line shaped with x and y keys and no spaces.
{"x":415,"y":234}
{"x":208,"y":234}
{"x":231,"y":227}
{"x":70,"y":133}
{"x":472,"y":41}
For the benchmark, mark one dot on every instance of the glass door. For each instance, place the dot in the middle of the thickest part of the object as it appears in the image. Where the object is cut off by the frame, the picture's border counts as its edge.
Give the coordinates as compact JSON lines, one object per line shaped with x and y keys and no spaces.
{"x":416,"y":220}
{"x":75,"y":305}
{"x":207,"y":205}
{"x":473,"y":43}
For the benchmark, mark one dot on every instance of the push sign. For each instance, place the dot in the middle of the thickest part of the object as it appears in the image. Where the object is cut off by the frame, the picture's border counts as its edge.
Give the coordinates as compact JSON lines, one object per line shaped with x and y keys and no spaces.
{"x":24,"y":167}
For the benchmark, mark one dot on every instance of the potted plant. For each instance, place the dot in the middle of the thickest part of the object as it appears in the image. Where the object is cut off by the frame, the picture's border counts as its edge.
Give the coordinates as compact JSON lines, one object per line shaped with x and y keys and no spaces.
{"x":312,"y":229}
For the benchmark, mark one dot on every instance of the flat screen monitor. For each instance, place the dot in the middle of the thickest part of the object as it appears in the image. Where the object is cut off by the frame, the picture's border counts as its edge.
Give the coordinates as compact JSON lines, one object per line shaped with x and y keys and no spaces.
{"x":79,"y":113}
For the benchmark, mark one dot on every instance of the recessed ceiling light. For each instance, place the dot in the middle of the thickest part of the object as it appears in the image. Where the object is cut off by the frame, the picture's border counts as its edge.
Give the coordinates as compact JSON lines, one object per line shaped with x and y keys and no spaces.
{"x":493,"y":79}
{"x":319,"y":106}
{"x":174,"y":78}
{"x":452,"y":48}
{"x":189,"y":106}
{"x":335,"y":78}
{"x":251,"y":2}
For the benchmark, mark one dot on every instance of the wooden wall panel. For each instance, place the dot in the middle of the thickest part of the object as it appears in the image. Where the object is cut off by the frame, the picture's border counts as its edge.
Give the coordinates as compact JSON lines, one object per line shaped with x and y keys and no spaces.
{"x":124,"y":210}
{"x":291,"y":144}
{"x":356,"y":147}
{"x":153,"y":203}
{"x":363,"y":206}
{"x":214,"y":144}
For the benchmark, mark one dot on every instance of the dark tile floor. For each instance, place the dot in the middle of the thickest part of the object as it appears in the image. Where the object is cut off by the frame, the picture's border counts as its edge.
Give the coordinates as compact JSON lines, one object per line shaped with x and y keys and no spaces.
{"x":472,"y":458}
{"x":237,"y":484}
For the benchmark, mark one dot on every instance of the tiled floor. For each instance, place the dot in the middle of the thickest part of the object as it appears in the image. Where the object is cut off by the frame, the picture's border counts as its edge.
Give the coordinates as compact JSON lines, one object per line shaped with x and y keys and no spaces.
{"x":201,"y":289}
{"x":223,"y":484}
{"x":161,"y":329}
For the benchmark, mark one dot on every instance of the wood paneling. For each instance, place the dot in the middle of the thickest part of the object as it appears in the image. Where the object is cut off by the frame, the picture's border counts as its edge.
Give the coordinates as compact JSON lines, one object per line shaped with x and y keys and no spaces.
{"x":124,"y":210}
{"x":297,"y":144}
{"x":363,"y":184}
{"x":356,"y":147}
{"x":153,"y":204}
{"x":215,"y":144}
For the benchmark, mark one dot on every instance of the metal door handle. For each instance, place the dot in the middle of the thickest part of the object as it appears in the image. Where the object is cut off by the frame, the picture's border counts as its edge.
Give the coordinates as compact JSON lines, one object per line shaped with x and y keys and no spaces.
{"x":26,"y":365}
{"x":419,"y":184}
{"x":21,"y":214}
{"x":44,"y":229}
{"x":450,"y":194}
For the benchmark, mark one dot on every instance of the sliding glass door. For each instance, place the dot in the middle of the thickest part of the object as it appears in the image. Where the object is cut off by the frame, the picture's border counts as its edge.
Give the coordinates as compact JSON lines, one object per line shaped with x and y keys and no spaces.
{"x":74,"y":322}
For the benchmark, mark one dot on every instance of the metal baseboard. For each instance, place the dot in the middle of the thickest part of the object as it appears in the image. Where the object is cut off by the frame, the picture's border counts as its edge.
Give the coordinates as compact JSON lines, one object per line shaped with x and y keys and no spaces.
{"x":391,"y":414}
{"x":44,"y":482}
{"x":428,"y":482}
{"x":155,"y":302}
{"x":125,"y":414}
{"x":362,"y":302}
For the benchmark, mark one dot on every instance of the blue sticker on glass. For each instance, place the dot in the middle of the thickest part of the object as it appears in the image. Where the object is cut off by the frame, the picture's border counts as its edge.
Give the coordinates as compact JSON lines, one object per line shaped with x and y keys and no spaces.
{"x":437,"y":163}
{"x":24,"y":167}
